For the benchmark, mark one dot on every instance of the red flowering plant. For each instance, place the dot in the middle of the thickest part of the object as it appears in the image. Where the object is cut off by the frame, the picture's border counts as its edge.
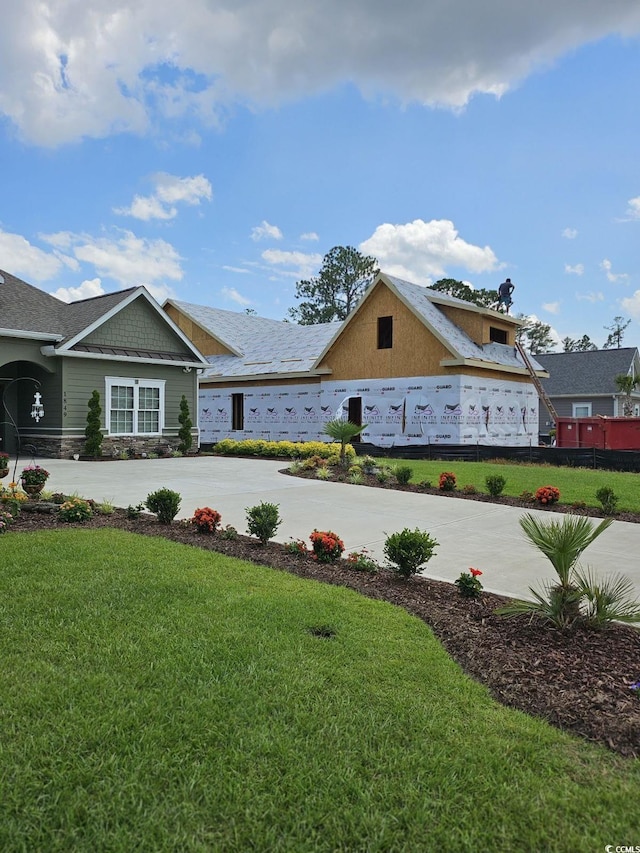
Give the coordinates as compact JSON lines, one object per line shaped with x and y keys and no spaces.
{"x":206,"y":519}
{"x":447,"y":482}
{"x":327,"y":546}
{"x":547,"y":495}
{"x":468,"y":584}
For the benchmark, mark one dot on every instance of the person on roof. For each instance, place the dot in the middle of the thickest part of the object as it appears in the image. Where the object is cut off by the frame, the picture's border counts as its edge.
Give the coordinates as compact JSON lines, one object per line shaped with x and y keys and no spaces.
{"x":504,"y":295}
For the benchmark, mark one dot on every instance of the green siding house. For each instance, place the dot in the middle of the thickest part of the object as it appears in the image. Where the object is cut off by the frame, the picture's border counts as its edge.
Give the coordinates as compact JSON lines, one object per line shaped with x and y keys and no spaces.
{"x":121,"y":344}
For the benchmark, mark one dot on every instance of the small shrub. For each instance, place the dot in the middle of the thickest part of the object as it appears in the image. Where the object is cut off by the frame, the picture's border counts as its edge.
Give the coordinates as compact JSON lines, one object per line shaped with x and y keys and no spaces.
{"x":165,"y":503}
{"x":362,"y":562}
{"x":547,"y":495}
{"x":228,"y":532}
{"x":93,"y":431}
{"x":368,"y":464}
{"x":296,"y":466}
{"x":424,"y":484}
{"x":135,"y":511}
{"x":323,"y":473}
{"x":468,"y":584}
{"x":447,"y":481}
{"x":469,"y":489}
{"x":527,"y":497}
{"x":105,"y":507}
{"x":495,"y":485}
{"x":383,"y":475}
{"x":327,"y":546}
{"x":75,"y":509}
{"x":404,"y":473}
{"x":356,"y":478}
{"x":608,"y":499}
{"x":408,"y":550}
{"x":313,"y":462}
{"x":206,"y":520}
{"x":263,"y":520}
{"x":297,"y":547}
{"x":184,"y":433}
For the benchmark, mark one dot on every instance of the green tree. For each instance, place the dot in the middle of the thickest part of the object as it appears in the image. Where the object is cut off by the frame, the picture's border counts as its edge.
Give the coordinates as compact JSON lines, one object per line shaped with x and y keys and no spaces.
{"x":582,"y":344}
{"x":616,"y":333}
{"x":184,"y":433}
{"x":461,"y":290}
{"x":344,"y":432}
{"x":331,"y":295}
{"x":535,"y":336}
{"x":93,"y":431}
{"x":626,"y":385}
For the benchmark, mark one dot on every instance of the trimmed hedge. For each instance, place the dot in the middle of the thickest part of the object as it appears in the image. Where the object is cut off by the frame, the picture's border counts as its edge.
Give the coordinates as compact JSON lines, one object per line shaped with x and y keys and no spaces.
{"x":284,"y":449}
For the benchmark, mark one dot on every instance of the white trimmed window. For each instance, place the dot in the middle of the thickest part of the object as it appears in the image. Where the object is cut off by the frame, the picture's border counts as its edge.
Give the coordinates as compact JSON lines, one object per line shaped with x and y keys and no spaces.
{"x":136,"y":406}
{"x":581,"y":410}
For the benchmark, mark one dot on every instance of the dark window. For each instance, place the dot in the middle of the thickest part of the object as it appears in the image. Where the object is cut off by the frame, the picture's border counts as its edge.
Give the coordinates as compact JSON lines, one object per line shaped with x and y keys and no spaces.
{"x":237,"y":411}
{"x":385,"y":332}
{"x":498,"y":336}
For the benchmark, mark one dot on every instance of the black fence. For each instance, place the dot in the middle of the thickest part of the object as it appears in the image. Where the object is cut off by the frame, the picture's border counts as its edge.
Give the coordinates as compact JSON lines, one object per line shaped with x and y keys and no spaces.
{"x":572,"y":457}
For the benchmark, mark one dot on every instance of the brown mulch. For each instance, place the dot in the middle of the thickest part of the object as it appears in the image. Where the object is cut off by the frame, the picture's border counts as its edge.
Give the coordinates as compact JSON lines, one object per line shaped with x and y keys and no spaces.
{"x":577,"y":679}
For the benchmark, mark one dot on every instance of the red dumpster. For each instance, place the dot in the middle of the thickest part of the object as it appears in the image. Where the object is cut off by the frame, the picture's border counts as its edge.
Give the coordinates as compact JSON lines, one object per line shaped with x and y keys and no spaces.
{"x":601,"y":432}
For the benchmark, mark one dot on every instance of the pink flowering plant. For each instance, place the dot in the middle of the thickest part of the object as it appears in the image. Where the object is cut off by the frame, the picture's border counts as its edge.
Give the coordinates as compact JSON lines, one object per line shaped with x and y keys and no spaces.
{"x":327,"y":546}
{"x":34,"y":475}
{"x":468,"y":584}
{"x":5,"y":520}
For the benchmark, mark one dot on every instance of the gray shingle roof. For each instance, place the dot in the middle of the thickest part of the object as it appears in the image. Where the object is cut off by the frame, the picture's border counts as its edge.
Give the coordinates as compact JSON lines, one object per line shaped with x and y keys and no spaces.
{"x":24,"y":308}
{"x":264,"y":346}
{"x":585,"y":373}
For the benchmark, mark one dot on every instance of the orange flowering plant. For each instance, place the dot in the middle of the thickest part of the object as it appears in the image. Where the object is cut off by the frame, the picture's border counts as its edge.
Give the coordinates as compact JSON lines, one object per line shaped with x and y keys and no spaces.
{"x":447,"y":481}
{"x":548,"y":495}
{"x":206,"y":519}
{"x":327,"y":546}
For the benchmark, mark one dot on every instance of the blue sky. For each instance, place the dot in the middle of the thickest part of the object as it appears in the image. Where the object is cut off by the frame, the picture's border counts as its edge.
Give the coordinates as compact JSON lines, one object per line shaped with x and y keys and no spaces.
{"x":215,"y":154}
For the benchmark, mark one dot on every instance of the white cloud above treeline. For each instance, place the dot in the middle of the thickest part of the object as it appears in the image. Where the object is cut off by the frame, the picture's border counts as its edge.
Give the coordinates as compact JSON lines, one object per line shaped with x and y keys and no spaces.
{"x":107,"y":66}
{"x":423,"y":251}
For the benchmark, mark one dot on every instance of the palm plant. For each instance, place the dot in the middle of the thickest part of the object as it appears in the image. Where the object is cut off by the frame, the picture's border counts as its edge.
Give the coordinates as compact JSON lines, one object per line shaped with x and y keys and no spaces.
{"x":344,"y":432}
{"x":626,"y":385}
{"x":562,"y":543}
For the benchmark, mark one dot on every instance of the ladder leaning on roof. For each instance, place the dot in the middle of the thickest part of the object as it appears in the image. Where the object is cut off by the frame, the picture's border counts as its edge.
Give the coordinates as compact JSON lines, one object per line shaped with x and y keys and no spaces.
{"x":536,"y":381}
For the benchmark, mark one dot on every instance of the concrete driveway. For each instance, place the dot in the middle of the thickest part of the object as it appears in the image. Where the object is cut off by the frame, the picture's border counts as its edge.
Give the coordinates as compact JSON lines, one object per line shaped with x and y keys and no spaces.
{"x":485,"y":536}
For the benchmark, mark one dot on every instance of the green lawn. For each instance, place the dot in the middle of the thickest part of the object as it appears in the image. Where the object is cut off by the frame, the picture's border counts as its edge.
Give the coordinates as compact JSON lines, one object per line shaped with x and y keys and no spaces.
{"x":575,"y":484}
{"x":156,"y":697}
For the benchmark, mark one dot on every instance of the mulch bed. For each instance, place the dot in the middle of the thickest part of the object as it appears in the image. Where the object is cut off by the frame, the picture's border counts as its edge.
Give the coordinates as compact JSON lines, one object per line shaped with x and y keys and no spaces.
{"x":576,"y":679}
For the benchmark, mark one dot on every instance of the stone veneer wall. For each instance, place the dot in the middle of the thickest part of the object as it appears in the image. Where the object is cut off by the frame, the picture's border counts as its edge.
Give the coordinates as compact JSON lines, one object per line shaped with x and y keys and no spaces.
{"x":64,"y":448}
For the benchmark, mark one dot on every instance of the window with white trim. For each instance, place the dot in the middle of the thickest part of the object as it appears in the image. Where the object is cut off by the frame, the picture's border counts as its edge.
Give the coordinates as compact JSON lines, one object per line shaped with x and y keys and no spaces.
{"x":581,"y":410}
{"x":135,"y":406}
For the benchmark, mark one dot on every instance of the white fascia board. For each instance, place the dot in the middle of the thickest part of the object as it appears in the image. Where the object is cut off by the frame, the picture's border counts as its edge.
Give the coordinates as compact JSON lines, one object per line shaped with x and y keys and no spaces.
{"x":99,"y":356}
{"x":489,"y":365}
{"x":31,"y":336}
{"x":260,"y":377}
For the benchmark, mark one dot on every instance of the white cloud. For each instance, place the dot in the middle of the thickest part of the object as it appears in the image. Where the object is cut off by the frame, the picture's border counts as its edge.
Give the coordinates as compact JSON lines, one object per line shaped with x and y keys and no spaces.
{"x":239,"y":270}
{"x":309,"y":235}
{"x":590,"y":297}
{"x":266,"y":231}
{"x":169,"y":191}
{"x":570,"y":233}
{"x":551,"y":307}
{"x":232,"y":294}
{"x":422,"y":251}
{"x":302,"y":265}
{"x":99,"y":67}
{"x":631,"y":305}
{"x":22,"y":258}
{"x":578,"y":269}
{"x":633,"y":211}
{"x":607,"y":266}
{"x":88,"y":289}
{"x":125,"y":258}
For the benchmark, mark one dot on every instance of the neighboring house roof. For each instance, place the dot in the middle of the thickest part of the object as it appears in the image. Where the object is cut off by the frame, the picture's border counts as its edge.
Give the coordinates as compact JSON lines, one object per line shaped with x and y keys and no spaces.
{"x":587,"y":374}
{"x":26,"y":311}
{"x":262,"y":346}
{"x":424,"y":304}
